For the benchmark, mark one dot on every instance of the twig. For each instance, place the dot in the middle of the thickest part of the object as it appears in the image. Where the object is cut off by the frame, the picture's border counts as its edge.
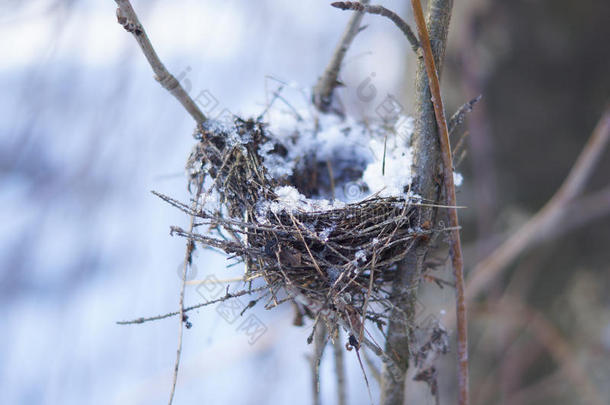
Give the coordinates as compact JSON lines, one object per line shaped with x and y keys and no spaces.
{"x":366,"y":380}
{"x":539,"y":390}
{"x":384,"y":12}
{"x":456,"y":248}
{"x":340,"y":369}
{"x":191,"y":308}
{"x":372,"y":367}
{"x":550,"y":215}
{"x":585,"y":210}
{"x":551,"y":339}
{"x":483,"y":177}
{"x":323,"y":91}
{"x":425,"y":169}
{"x":457,"y":118}
{"x":319,"y":343}
{"x":459,"y":148}
{"x":128,"y":18}
{"x":188,"y":260}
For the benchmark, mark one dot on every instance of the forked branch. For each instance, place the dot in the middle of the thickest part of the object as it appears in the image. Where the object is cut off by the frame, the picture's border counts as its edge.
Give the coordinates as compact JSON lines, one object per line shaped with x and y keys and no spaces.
{"x":384,"y":12}
{"x":548,"y":217}
{"x":323,"y":91}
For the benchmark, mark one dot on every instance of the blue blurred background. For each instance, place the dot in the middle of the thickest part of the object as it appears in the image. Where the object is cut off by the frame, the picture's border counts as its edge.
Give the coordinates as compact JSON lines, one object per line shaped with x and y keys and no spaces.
{"x":86,"y":133}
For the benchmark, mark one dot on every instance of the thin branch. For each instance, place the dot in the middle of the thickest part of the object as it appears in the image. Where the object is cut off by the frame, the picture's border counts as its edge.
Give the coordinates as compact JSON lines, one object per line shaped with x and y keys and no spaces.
{"x":585,"y":210}
{"x":456,"y":246}
{"x":319,"y":343}
{"x":384,"y":12}
{"x":372,"y":367}
{"x":539,"y":390}
{"x":323,"y":91}
{"x":128,"y":18}
{"x":425,"y":168}
{"x":340,"y":369}
{"x":191,"y":308}
{"x":547,"y":218}
{"x":457,"y":118}
{"x":188,"y":260}
{"x":552,"y":340}
{"x":459,"y":148}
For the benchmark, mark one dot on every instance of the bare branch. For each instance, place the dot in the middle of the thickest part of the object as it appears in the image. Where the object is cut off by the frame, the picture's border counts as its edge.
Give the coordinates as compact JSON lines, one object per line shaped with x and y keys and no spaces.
{"x":323,"y":91}
{"x":128,"y":18}
{"x":340,"y":370}
{"x":456,"y":246}
{"x":384,"y":12}
{"x":540,"y":224}
{"x":426,"y":169}
{"x":188,"y":259}
{"x":197,"y":306}
{"x":319,"y":344}
{"x":457,"y":118}
{"x":516,"y":311}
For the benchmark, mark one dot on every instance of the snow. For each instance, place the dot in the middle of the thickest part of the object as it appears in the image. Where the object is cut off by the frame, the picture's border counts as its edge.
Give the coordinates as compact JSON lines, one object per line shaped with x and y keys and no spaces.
{"x":391,"y":175}
{"x":382,"y":153}
{"x":360,"y":256}
{"x":333,"y":273}
{"x":326,"y":136}
{"x":457,"y":179}
{"x":325,"y":234}
{"x":291,"y":201}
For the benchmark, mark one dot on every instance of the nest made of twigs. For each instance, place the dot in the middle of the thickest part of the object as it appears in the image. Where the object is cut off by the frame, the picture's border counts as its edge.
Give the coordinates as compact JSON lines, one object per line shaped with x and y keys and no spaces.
{"x":335,"y":261}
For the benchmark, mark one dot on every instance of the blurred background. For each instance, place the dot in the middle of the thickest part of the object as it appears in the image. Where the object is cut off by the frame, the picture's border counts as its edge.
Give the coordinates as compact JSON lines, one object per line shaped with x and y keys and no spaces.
{"x":86,"y":134}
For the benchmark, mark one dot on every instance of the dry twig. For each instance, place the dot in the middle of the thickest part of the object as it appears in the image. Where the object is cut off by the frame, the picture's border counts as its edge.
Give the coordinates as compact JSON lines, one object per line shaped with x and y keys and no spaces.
{"x":225,"y":297}
{"x":340,"y":370}
{"x":384,"y":12}
{"x":188,"y":259}
{"x":323,"y":91}
{"x":319,"y":344}
{"x":547,"y":218}
{"x":457,"y":118}
{"x":128,"y":18}
{"x":551,"y":339}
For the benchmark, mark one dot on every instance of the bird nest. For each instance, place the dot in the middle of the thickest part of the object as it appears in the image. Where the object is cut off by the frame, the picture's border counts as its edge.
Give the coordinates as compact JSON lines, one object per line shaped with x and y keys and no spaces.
{"x":334,"y":260}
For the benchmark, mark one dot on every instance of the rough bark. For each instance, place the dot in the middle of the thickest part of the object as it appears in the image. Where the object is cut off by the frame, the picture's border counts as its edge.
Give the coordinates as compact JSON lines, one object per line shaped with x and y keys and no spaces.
{"x":428,"y":184}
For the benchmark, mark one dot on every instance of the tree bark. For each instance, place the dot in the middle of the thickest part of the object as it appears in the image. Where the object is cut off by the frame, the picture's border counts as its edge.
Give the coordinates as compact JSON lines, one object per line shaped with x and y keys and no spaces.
{"x":428,"y":184}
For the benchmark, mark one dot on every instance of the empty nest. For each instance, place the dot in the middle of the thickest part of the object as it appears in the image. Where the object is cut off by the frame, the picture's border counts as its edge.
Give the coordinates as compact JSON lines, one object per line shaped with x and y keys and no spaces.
{"x":333,"y":261}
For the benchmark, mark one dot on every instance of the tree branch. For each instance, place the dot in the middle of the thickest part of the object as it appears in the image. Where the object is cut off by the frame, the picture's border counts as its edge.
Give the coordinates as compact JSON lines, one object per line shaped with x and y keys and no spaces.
{"x":548,"y":217}
{"x":340,"y":369}
{"x":456,"y":119}
{"x":384,"y":12}
{"x":323,"y":91}
{"x":225,"y":297}
{"x":456,"y":245}
{"x":188,"y":259}
{"x":514,"y":310}
{"x":128,"y":18}
{"x":426,"y":170}
{"x":319,"y":344}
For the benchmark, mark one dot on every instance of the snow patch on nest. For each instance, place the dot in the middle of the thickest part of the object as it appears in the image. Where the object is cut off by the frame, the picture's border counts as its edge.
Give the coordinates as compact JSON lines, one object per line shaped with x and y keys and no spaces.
{"x":380,"y":151}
